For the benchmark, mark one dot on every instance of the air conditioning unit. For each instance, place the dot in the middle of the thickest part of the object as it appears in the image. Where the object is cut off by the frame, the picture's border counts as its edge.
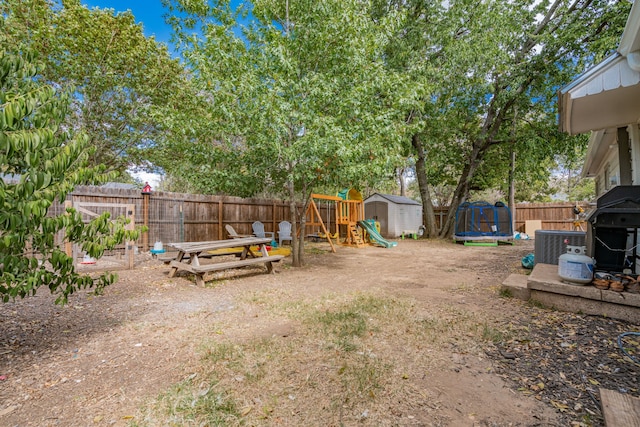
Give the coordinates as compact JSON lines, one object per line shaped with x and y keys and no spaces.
{"x":550,"y":244}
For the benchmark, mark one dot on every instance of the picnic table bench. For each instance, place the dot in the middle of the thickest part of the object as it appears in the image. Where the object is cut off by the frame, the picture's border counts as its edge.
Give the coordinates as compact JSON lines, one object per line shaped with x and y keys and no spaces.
{"x":189,"y":254}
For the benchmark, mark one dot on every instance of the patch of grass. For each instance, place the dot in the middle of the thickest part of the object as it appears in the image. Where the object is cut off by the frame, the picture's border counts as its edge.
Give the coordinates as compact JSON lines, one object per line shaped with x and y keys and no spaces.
{"x":463,"y":288}
{"x":505,"y":292}
{"x":363,"y":376}
{"x":535,"y":303}
{"x":299,"y":378}
{"x":446,"y":323}
{"x":492,"y":334}
{"x":190,"y":403}
{"x":465,"y":329}
{"x":312,"y":250}
{"x":220,"y":353}
{"x":214,"y":282}
{"x":343,"y":326}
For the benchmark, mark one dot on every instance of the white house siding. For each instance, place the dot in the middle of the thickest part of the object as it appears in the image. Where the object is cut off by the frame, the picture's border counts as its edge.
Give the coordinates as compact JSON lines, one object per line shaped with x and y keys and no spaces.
{"x":608,"y":173}
{"x":634,"y":141}
{"x":604,"y":100}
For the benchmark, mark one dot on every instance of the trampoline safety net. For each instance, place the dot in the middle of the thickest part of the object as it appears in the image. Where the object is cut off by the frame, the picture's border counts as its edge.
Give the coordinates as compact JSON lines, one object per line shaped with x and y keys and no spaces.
{"x":483,"y":221}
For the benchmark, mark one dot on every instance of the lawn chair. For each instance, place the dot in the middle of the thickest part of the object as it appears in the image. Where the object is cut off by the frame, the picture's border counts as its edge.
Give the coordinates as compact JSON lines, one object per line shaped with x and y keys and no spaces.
{"x":284,"y":232}
{"x":258,"y":230}
{"x":232,"y":233}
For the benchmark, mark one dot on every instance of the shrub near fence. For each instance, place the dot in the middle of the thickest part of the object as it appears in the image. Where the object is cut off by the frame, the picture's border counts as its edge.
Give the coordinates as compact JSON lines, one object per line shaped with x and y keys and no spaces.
{"x":178,"y":217}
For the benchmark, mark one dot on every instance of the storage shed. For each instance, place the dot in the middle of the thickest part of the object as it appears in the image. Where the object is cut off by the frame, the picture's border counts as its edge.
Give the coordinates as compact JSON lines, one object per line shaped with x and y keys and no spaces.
{"x":397,"y":215}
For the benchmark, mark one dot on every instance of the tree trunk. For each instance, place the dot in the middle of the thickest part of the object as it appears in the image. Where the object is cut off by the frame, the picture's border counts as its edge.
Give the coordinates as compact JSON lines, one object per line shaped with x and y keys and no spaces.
{"x":461,"y":193}
{"x":492,"y":123}
{"x":428,"y":215}
{"x":303,"y":225}
{"x":295,"y":255}
{"x":403,"y":184}
{"x":512,"y":188}
{"x":512,"y":172}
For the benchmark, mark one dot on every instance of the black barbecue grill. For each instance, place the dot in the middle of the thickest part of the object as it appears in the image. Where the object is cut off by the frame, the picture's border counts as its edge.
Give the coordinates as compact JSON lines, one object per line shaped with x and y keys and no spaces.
{"x":612,"y":236}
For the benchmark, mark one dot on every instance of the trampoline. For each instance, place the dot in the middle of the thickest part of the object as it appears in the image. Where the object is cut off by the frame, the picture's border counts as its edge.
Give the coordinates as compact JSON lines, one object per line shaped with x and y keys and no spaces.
{"x":480,"y":221}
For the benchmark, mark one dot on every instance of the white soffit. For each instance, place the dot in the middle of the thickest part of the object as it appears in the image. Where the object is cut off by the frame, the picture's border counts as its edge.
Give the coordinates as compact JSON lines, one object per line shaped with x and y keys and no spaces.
{"x":607,"y":95}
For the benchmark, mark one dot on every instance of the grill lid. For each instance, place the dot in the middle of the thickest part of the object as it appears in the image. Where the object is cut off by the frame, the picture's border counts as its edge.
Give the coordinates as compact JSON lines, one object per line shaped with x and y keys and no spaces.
{"x":619,"y":195}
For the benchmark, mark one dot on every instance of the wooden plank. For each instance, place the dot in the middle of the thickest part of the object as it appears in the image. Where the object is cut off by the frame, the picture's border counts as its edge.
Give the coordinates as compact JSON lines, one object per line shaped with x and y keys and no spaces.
{"x":178,"y":265}
{"x":87,"y":212}
{"x":201,"y":270}
{"x":100,"y":205}
{"x":168,"y":258}
{"x":191,"y":247}
{"x":619,"y":410}
{"x":233,"y":264}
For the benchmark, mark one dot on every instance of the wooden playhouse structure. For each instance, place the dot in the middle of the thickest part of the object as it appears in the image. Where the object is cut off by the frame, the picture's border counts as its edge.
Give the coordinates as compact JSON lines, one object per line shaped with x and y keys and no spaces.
{"x":349,"y":211}
{"x":350,"y":227}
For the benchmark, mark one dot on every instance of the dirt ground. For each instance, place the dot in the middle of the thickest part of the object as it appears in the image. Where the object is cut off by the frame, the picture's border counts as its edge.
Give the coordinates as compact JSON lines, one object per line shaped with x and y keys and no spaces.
{"x":97,"y":360}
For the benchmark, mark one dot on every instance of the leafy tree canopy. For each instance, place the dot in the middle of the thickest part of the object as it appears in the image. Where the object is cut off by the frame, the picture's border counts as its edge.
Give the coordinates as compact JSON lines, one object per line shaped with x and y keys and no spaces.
{"x":119,"y":77}
{"x":496,"y":68}
{"x":40,"y":161}
{"x":296,"y":103}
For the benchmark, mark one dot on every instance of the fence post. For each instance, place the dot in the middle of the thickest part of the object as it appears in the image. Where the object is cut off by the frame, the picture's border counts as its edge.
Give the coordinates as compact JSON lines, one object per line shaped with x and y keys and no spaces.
{"x":131,"y":216}
{"x":181,"y":222}
{"x":145,"y":220}
{"x":274,"y":220}
{"x":220,"y":219}
{"x":68,"y":246}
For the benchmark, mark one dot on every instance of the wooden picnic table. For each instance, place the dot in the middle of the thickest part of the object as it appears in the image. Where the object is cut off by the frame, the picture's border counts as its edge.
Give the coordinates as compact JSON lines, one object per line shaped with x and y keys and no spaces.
{"x":189,"y":253}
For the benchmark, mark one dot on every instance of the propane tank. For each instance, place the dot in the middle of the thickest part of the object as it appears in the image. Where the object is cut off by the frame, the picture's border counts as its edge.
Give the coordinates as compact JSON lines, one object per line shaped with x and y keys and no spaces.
{"x":575,"y":266}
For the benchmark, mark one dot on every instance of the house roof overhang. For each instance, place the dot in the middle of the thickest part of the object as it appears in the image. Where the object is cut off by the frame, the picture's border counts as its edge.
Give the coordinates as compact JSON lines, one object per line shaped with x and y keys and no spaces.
{"x":607,"y":95}
{"x":630,"y":42}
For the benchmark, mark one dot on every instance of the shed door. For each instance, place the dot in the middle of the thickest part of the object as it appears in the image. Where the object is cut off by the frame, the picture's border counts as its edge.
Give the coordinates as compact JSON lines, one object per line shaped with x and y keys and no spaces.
{"x":380,"y":212}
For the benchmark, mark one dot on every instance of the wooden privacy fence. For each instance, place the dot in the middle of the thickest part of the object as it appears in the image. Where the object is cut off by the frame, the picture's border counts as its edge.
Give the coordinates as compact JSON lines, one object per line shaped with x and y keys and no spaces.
{"x":553,"y":216}
{"x":178,"y":217}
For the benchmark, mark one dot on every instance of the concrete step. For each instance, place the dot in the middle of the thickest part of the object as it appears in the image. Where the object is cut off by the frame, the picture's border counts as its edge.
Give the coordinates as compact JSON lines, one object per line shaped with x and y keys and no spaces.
{"x":544,"y":286}
{"x":516,"y":285}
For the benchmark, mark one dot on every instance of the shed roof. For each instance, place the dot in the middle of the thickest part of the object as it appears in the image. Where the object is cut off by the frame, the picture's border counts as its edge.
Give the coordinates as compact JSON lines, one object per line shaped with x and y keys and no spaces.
{"x":398,"y":200}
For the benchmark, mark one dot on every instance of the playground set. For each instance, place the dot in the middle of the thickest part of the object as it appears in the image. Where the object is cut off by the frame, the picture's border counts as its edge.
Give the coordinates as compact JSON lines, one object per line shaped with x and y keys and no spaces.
{"x":351,"y":228}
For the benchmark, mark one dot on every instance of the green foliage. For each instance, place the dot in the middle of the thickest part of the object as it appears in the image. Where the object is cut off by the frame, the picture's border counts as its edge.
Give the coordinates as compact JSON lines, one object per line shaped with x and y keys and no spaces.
{"x":119,"y":79}
{"x":582,"y":189}
{"x":39,"y":162}
{"x":321,"y":76}
{"x":297,"y":103}
{"x":486,"y":75}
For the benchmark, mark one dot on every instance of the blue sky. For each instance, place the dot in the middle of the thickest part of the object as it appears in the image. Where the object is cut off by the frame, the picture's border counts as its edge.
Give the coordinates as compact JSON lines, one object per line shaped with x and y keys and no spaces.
{"x":147,"y":12}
